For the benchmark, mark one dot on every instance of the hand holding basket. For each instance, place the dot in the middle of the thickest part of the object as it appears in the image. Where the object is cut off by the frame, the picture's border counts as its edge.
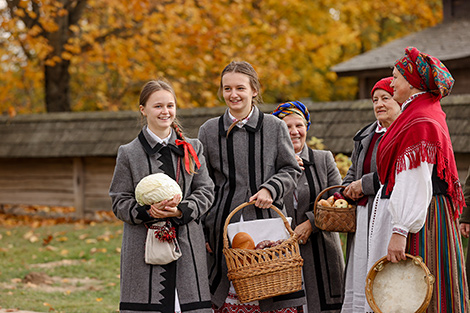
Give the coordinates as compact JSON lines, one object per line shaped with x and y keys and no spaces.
{"x":264,"y":273}
{"x":332,"y":218}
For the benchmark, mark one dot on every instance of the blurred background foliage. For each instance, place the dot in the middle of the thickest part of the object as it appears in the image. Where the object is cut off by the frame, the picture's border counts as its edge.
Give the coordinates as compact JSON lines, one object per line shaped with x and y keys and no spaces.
{"x":87,"y":55}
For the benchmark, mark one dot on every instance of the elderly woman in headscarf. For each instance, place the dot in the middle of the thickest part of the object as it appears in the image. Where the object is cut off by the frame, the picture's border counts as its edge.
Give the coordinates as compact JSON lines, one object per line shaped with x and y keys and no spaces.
{"x":421,"y":197}
{"x":323,"y":258}
{"x":362,"y":185}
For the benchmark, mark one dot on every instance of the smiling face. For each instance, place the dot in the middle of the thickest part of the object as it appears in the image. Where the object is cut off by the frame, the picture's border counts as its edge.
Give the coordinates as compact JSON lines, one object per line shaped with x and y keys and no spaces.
{"x":238,"y":94}
{"x":160,"y":111}
{"x":297,"y":131}
{"x":401,"y":88}
{"x":386,"y":109}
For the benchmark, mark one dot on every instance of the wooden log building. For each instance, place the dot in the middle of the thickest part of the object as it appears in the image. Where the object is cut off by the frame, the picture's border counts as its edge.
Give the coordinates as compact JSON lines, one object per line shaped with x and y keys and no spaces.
{"x":68,"y":159}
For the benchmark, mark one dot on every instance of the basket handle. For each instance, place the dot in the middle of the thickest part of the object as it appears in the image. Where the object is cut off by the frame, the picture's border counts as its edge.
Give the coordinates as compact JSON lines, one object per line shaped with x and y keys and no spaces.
{"x":321,"y":194}
{"x":241,"y":206}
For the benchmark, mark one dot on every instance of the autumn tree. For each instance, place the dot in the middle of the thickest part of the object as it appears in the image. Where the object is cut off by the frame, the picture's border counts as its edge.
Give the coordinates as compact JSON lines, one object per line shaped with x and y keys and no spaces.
{"x":42,"y":29}
{"x":110,"y":48}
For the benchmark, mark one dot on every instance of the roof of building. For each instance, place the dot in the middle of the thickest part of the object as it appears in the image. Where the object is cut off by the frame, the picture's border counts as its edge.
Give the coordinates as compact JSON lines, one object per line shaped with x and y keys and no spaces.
{"x":446,"y":41}
{"x":99,"y":134}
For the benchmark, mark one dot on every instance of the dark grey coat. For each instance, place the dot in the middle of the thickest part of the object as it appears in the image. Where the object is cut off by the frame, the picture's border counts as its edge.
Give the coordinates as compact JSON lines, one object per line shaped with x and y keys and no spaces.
{"x":370,"y":181}
{"x":260,"y":154}
{"x":151,"y":288}
{"x":323,"y":258}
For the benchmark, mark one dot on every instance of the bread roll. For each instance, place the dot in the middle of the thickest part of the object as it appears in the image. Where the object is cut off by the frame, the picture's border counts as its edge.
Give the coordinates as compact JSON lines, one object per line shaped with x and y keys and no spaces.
{"x":324,"y":202}
{"x":331,"y":200}
{"x":243,"y":241}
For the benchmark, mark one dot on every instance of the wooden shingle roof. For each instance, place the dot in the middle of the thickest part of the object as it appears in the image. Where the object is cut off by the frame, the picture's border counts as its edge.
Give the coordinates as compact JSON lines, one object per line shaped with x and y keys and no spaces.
{"x":446,"y":41}
{"x":99,"y":134}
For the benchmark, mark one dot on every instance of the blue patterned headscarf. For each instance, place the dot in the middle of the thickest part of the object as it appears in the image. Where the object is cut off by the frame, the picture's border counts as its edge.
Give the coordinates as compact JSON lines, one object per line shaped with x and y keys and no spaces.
{"x":295,"y":107}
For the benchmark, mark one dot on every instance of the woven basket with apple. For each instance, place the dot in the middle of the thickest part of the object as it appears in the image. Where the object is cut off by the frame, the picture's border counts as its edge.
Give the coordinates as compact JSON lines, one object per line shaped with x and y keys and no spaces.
{"x":335,"y":213}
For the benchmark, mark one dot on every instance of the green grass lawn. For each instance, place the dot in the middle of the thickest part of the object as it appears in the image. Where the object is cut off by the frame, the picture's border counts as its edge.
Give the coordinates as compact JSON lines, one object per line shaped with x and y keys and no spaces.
{"x":77,"y":262}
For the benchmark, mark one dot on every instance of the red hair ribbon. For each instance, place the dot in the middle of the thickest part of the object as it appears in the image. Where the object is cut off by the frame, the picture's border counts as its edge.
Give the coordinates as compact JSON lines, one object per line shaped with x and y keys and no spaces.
{"x":188,"y":147}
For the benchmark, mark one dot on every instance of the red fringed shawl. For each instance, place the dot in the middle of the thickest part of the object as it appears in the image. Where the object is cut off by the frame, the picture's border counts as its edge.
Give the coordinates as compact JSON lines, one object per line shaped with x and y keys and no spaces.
{"x":420,"y":134}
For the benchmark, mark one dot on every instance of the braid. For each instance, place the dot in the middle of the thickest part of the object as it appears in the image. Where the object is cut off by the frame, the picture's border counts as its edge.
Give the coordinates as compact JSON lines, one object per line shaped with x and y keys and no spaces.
{"x":176,"y":126}
{"x":179,"y":133}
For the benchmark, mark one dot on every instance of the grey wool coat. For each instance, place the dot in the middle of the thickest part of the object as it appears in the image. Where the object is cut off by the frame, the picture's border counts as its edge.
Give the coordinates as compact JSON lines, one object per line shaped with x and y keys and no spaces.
{"x":259,"y":154}
{"x":370,"y":182}
{"x":323,"y":267}
{"x":151,"y":288}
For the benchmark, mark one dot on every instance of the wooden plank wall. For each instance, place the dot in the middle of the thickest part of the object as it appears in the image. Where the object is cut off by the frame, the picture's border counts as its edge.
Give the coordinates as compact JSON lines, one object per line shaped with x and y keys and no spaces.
{"x":82,"y":183}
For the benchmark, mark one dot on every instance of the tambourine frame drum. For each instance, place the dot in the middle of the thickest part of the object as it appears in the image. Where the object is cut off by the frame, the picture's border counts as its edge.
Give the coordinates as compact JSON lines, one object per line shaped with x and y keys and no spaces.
{"x":404,"y":287}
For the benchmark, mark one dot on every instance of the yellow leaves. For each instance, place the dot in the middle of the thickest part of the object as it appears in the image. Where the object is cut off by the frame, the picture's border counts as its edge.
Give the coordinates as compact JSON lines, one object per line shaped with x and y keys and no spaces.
{"x":66,"y":55}
{"x":34,"y":31}
{"x":98,"y":250}
{"x":30,"y":236}
{"x":20,"y":13}
{"x":49,"y":306}
{"x":74,"y":28}
{"x":291,"y":43}
{"x":62,"y":239}
{"x":23,"y":4}
{"x":62,"y":12}
{"x":52,"y":61}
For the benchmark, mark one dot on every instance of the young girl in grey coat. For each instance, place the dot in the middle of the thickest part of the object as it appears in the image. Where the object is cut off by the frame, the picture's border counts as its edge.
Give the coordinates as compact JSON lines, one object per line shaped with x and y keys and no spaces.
{"x":250,"y":158}
{"x":182,"y":285}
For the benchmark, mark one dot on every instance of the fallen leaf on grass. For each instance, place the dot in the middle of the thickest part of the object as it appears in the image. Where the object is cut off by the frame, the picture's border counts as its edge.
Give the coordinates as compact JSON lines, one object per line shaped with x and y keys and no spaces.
{"x":47,"y":240}
{"x":95,"y":250}
{"x":31,"y":236}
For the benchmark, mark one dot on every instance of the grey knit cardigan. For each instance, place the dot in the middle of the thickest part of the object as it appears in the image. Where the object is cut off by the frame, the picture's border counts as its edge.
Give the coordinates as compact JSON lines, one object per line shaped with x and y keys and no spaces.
{"x":259,"y":154}
{"x":151,"y":288}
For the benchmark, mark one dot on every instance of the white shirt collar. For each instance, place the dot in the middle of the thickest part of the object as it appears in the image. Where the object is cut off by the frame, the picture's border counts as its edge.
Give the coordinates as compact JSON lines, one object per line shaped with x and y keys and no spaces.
{"x":243,"y":121}
{"x":405,"y":104}
{"x":163,"y":141}
{"x":380,"y":128}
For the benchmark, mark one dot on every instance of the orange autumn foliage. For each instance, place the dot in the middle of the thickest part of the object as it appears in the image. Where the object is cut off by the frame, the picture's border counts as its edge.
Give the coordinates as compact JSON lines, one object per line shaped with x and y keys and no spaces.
{"x":110,"y":48}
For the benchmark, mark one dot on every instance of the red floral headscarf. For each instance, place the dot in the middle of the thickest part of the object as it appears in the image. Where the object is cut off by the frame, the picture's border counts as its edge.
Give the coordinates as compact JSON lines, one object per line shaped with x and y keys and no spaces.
{"x":425,"y":72}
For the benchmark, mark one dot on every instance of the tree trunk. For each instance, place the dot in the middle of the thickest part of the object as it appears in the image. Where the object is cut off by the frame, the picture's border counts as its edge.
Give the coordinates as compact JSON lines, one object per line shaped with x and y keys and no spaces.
{"x":56,"y":84}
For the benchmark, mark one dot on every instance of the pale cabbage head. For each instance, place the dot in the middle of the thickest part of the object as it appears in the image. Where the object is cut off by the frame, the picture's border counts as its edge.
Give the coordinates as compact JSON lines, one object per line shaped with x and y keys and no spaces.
{"x":155,"y":188}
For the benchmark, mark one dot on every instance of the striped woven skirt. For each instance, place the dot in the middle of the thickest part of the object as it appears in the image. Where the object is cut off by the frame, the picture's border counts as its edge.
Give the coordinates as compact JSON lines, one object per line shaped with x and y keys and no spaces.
{"x":440,"y":245}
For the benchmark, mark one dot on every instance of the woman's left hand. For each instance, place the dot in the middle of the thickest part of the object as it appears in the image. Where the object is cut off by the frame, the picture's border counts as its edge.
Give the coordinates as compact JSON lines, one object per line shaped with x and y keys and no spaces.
{"x":396,"y":248}
{"x":166,"y":208}
{"x":300,"y":162}
{"x":263,"y":198}
{"x":303,"y":230}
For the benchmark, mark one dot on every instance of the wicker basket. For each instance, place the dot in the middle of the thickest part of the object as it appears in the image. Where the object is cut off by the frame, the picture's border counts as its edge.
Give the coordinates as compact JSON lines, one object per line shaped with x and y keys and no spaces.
{"x":264,"y":273}
{"x":383,"y":283}
{"x":332,"y":218}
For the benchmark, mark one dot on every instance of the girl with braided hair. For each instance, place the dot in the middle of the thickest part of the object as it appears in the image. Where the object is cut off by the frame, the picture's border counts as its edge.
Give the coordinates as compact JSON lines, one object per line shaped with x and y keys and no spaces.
{"x":161,"y":147}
